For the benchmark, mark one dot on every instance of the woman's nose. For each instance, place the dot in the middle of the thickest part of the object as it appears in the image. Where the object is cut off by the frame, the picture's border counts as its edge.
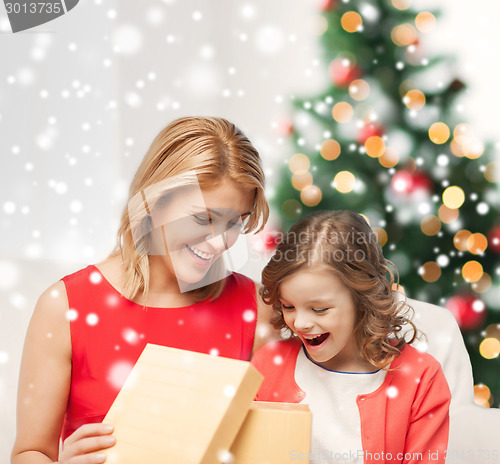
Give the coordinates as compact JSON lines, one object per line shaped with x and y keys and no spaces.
{"x":217,"y":242}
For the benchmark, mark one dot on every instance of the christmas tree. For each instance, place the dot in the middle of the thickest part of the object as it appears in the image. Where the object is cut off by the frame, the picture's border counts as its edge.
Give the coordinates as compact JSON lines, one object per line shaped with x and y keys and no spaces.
{"x":385,"y":139}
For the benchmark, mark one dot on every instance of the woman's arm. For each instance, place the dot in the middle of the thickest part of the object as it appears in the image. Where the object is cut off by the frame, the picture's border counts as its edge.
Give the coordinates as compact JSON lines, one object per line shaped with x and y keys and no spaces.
{"x":264,"y":332}
{"x":44,"y":384}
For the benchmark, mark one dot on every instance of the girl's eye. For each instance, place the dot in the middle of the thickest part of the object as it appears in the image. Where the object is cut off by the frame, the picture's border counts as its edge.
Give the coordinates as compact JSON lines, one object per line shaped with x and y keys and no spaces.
{"x":320,"y":311}
{"x":286,"y":308}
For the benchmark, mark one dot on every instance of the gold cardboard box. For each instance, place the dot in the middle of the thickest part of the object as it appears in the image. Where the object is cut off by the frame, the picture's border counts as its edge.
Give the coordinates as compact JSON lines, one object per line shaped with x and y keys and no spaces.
{"x":273,"y":433}
{"x":180,"y":407}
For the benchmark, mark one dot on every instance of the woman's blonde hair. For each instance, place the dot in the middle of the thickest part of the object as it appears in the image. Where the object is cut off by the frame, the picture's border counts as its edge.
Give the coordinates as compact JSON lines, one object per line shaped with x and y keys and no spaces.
{"x":343,"y":243}
{"x":214,"y":149}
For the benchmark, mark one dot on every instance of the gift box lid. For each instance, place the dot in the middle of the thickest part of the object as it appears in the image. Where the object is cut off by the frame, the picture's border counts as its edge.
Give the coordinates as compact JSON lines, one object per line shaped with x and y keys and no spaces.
{"x":180,"y":406}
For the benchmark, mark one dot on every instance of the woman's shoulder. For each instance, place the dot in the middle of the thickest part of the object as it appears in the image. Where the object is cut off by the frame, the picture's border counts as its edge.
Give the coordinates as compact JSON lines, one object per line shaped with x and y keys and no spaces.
{"x":109,"y":269}
{"x":240,"y":280}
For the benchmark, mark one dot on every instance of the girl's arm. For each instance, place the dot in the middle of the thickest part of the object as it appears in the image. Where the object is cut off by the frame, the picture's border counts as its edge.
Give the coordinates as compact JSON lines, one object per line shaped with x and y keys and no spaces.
{"x":427,"y":437}
{"x":264,"y":331}
{"x":43,"y":390}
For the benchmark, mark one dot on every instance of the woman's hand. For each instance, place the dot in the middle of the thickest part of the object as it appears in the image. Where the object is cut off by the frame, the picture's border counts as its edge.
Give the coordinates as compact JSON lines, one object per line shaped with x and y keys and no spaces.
{"x":85,"y":445}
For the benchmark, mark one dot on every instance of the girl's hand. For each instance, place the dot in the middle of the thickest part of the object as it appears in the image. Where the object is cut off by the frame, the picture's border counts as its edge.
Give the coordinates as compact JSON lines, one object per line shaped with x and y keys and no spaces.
{"x":84,"y":445}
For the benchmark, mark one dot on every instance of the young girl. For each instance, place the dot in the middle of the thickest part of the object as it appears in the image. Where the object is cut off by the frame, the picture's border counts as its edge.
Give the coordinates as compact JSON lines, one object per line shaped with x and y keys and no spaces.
{"x":198,"y":187}
{"x":374,"y":398}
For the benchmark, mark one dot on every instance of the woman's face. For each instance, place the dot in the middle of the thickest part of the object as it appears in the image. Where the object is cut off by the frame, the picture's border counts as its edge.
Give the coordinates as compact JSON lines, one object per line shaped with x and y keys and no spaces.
{"x":195,"y":226}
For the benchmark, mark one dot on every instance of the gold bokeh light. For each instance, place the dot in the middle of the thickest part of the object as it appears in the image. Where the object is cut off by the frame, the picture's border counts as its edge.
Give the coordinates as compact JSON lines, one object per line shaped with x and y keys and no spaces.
{"x":330,"y":149}
{"x":414,"y":99}
{"x":342,"y":112}
{"x":460,"y":239}
{"x":301,"y":181}
{"x":390,"y":157}
{"x":381,"y":235}
{"x":439,"y":133}
{"x":491,"y":172}
{"x":311,"y":195}
{"x":483,"y":284}
{"x":401,"y":4}
{"x":359,"y":89}
{"x":482,"y":395}
{"x":430,"y":225}
{"x":344,"y":181}
{"x":299,"y":163}
{"x":404,"y":35}
{"x":472,"y":271}
{"x":430,"y":271}
{"x":453,"y":197}
{"x":477,"y":243}
{"x":374,"y":146}
{"x":351,"y":21}
{"x":447,"y":215}
{"x":425,"y":21}
{"x":490,"y":348}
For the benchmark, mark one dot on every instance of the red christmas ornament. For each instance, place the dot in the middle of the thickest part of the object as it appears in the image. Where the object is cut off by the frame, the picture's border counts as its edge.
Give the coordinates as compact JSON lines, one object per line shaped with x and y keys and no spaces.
{"x":469,"y":311}
{"x":326,"y":5}
{"x":370,"y":130}
{"x":271,"y":239}
{"x":494,"y":239}
{"x":401,"y":182}
{"x":421,"y":181}
{"x":404,"y":182}
{"x":283,"y":126}
{"x":342,"y":72}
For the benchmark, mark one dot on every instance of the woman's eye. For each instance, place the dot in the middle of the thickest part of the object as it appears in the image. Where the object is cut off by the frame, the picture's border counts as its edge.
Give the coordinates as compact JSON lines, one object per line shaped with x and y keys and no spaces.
{"x":233,"y":225}
{"x":202,"y":220}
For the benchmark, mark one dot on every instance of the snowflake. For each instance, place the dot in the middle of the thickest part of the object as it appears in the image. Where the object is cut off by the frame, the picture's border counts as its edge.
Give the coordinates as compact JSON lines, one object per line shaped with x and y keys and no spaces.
{"x":71,"y":314}
{"x":130,"y":336}
{"x":92,"y":319}
{"x":118,"y":373}
{"x":225,"y":457}
{"x":229,"y":391}
{"x":95,"y":277}
{"x":392,"y":392}
{"x":249,"y":315}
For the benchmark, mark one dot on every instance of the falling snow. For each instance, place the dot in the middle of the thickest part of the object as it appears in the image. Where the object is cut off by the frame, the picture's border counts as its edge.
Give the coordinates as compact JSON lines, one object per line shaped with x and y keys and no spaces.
{"x":392,"y":392}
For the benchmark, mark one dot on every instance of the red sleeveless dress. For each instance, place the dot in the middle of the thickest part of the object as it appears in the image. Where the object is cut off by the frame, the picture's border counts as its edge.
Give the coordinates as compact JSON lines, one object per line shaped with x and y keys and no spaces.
{"x":109,"y":332}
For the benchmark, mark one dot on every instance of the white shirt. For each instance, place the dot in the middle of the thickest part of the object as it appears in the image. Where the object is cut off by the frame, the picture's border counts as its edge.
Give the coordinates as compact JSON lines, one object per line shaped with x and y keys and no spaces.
{"x":331,"y":396}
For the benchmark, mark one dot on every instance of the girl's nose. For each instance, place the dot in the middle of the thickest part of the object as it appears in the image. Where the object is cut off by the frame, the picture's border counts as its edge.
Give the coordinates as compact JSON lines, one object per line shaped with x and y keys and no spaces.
{"x":303,"y":321}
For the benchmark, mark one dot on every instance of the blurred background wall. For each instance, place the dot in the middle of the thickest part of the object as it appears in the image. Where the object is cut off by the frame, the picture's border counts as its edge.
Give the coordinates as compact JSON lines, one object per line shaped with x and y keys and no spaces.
{"x":82,"y":97}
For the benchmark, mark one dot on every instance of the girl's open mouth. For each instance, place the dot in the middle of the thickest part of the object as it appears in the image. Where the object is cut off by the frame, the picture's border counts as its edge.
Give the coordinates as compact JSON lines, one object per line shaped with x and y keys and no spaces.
{"x":315,"y":341}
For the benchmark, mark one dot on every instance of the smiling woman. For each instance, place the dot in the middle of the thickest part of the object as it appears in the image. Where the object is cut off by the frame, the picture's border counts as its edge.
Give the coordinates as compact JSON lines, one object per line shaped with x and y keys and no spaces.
{"x":198,"y":189}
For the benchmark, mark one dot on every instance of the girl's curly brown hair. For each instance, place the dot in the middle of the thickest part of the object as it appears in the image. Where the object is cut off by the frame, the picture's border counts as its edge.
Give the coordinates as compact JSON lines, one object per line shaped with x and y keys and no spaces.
{"x":343,"y":242}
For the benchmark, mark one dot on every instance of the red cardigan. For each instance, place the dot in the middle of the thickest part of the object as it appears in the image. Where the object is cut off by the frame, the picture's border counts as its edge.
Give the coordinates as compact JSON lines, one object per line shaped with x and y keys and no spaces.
{"x":404,"y":421}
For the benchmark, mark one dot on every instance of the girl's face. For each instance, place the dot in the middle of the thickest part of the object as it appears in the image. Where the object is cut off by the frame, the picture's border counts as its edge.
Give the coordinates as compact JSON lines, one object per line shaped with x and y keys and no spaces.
{"x":319,"y":308}
{"x":195,"y":227}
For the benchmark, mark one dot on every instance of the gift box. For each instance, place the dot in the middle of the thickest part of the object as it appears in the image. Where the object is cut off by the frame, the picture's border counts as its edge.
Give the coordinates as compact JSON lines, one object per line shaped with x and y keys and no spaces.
{"x":186,"y":407}
{"x":273,"y":433}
